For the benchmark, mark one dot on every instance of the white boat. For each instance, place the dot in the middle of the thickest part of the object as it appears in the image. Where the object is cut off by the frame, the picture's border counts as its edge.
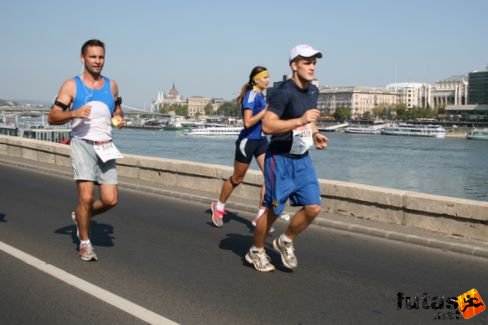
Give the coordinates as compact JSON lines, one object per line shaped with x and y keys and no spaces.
{"x":433,"y":131}
{"x":477,"y":134}
{"x":216,"y":131}
{"x":376,"y":129}
{"x":333,"y":128}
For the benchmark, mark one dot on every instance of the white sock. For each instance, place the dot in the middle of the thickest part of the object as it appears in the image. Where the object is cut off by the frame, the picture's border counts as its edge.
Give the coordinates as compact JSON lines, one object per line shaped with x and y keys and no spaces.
{"x":256,"y":249}
{"x":220,"y":206}
{"x":260,"y":213}
{"x":84,"y":242}
{"x":285,"y":238}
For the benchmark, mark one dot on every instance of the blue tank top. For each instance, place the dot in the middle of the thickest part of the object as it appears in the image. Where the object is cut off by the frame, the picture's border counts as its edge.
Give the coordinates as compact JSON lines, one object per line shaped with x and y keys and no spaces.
{"x":85,"y":94}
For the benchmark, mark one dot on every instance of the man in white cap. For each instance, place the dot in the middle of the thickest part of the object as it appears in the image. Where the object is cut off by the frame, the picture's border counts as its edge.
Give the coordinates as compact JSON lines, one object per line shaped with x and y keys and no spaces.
{"x":289,"y":172}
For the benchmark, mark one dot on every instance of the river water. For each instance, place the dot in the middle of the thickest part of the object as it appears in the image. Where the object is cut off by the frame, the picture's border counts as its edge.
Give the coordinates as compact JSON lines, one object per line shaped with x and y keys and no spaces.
{"x":453,"y":167}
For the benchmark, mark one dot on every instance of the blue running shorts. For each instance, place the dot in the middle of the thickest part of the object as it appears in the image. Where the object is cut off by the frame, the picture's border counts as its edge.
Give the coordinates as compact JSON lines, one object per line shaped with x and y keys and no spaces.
{"x":288,"y":177}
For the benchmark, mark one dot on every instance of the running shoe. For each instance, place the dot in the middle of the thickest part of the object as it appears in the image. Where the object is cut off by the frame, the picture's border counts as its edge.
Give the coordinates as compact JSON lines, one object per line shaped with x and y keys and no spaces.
{"x":73,"y":217}
{"x":87,"y":253}
{"x":287,"y":252}
{"x":260,"y":260}
{"x":217,"y":215}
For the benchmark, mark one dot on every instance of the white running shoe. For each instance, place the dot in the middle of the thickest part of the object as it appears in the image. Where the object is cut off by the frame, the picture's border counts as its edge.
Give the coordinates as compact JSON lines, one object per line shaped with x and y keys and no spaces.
{"x":260,"y":260}
{"x":217,"y":215}
{"x":87,"y":253}
{"x":287,"y":252}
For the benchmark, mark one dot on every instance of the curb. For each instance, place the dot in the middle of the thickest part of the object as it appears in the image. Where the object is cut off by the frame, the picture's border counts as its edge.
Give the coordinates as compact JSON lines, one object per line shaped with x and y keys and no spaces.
{"x":446,"y":245}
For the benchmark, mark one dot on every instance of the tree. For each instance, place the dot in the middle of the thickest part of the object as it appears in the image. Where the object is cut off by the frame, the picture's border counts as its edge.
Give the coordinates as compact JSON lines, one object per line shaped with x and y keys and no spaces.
{"x":181,"y":110}
{"x":379,"y":110}
{"x":208,"y":109}
{"x":229,"y":109}
{"x":366,"y":115}
{"x":342,"y":113}
{"x":401,"y":112}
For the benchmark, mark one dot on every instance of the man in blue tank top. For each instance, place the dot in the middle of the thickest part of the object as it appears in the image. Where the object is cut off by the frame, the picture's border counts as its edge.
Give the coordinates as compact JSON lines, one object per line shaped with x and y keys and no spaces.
{"x":289,"y":172}
{"x":90,"y":102}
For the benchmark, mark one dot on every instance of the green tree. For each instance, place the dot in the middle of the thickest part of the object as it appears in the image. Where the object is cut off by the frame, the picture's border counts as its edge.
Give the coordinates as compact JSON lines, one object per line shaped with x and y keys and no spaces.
{"x":401,"y":112}
{"x":342,"y":113}
{"x":379,"y":110}
{"x":208,"y":109}
{"x":229,"y":109}
{"x":366,"y":115}
{"x":181,"y":110}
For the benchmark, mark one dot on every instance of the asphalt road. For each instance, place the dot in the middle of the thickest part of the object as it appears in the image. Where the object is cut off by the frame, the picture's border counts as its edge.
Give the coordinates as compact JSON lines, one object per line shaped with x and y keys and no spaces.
{"x":163,"y":254}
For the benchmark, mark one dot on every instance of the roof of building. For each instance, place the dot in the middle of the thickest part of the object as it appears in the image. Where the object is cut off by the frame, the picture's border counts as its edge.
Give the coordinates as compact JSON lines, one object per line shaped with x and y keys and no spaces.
{"x":455,"y":78}
{"x":406,"y":85}
{"x":173,"y":92}
{"x":352,"y":89}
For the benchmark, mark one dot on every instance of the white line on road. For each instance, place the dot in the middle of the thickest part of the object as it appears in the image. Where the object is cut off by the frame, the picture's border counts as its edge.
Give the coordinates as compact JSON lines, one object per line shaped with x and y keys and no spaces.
{"x":102,"y":294}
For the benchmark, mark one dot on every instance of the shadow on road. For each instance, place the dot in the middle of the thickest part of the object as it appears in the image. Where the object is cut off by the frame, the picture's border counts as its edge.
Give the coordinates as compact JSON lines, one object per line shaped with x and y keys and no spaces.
{"x":2,"y":217}
{"x":230,"y":216}
{"x":101,"y":234}
{"x":240,"y":244}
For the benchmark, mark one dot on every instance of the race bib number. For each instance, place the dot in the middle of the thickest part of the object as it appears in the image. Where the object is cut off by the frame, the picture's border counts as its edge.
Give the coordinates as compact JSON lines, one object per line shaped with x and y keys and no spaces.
{"x":107,"y":151}
{"x":302,"y":140}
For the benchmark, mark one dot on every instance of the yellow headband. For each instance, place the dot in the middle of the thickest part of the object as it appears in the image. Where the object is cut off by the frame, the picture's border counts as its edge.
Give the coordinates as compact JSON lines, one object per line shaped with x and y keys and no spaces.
{"x":262,"y":74}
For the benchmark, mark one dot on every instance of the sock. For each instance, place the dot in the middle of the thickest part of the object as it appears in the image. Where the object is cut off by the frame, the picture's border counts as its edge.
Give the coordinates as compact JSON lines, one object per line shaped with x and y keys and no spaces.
{"x":256,"y":249}
{"x":260,"y":213}
{"x":220,"y":206}
{"x":285,"y":238}
{"x":84,"y":242}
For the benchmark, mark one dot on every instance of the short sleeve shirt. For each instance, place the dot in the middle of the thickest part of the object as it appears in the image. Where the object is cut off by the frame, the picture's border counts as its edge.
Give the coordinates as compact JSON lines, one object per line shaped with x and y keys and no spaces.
{"x":255,"y":102}
{"x":289,"y":102}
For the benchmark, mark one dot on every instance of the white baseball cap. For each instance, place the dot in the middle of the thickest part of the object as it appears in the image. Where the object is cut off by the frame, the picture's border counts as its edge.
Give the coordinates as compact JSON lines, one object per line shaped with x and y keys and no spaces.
{"x":304,"y":50}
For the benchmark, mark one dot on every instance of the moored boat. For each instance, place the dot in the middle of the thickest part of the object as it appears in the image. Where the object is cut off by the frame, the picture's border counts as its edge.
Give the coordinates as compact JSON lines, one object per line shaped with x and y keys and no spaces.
{"x":375,"y":129}
{"x":433,"y":131}
{"x":215,"y":131}
{"x":333,"y":128}
{"x":477,"y":134}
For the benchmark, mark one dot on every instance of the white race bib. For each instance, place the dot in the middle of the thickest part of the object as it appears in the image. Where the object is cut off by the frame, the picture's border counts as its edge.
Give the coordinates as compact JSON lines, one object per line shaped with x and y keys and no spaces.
{"x":302,"y":140}
{"x":107,"y":151}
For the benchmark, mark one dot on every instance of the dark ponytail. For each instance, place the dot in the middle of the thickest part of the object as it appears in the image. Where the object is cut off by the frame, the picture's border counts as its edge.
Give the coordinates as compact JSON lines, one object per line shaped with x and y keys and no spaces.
{"x":249,"y":84}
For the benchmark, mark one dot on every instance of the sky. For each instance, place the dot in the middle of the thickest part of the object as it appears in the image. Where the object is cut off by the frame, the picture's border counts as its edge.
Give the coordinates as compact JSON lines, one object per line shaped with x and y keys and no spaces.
{"x":208,"y":48}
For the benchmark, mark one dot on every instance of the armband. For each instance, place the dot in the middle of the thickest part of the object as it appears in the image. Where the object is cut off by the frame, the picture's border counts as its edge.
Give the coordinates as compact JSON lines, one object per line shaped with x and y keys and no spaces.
{"x":60,"y":104}
{"x":118,"y":101}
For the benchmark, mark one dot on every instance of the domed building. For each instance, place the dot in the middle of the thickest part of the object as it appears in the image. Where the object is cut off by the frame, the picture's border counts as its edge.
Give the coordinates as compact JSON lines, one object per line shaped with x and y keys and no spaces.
{"x":173,"y":97}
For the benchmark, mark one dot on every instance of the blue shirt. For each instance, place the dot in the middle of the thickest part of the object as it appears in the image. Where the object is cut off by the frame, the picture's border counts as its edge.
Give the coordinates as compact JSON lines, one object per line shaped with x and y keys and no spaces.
{"x":255,"y":102}
{"x":289,"y":102}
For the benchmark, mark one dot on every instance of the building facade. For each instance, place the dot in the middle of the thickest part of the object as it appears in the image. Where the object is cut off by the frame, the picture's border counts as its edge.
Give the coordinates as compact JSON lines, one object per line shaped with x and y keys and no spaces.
{"x":196,"y":105}
{"x":412,"y":94}
{"x":450,"y":91}
{"x":359,"y":100}
{"x":478,"y":87}
{"x":173,"y":97}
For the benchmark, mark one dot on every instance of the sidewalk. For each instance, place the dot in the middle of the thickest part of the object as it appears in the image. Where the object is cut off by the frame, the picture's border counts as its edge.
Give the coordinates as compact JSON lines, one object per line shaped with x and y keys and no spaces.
{"x":344,"y":223}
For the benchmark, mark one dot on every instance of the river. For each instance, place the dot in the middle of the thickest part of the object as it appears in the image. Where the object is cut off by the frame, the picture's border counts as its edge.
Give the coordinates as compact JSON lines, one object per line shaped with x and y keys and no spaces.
{"x":453,"y":167}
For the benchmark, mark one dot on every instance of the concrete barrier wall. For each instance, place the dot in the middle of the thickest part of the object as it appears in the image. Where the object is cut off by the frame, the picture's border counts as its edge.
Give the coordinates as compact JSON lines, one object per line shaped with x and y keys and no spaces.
{"x":452,"y":216}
